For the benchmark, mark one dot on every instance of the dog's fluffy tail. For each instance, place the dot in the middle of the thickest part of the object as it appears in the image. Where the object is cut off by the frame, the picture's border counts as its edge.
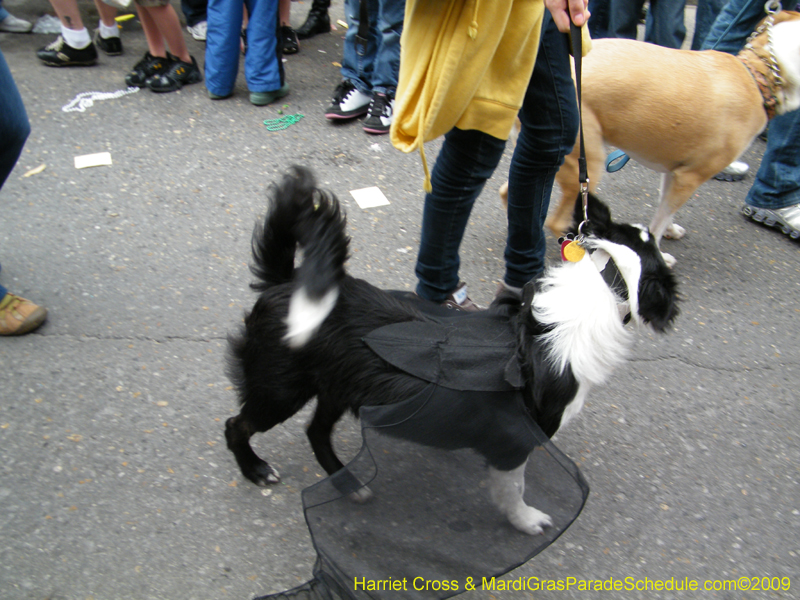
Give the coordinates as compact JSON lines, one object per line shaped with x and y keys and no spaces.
{"x":301,"y":215}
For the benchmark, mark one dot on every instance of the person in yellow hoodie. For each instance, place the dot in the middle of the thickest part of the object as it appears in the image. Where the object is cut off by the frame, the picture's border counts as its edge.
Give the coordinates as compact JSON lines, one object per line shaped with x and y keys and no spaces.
{"x":467,"y":69}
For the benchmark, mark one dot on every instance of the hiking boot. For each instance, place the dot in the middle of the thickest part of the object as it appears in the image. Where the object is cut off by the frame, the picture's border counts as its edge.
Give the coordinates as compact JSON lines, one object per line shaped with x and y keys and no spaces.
{"x":19,"y":316}
{"x":317,"y":20}
{"x":459,"y":300}
{"x":178,"y":74}
{"x":146,"y":68}
{"x":12,"y":24}
{"x":289,"y":39}
{"x":379,"y":115}
{"x":786,"y":219}
{"x":111,"y":46}
{"x":347,"y":102}
{"x":199,"y":30}
{"x":60,"y":54}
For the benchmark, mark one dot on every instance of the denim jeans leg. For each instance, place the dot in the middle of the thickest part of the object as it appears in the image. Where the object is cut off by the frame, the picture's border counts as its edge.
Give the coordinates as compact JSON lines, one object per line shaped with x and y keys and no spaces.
{"x":735,"y":22}
{"x":549,"y":118}
{"x":14,"y":125}
{"x":777,"y":182}
{"x":194,"y":11}
{"x":388,"y":29}
{"x":665,"y":23}
{"x":623,"y":18}
{"x":467,"y":159}
{"x":707,"y":11}
{"x":358,"y":62}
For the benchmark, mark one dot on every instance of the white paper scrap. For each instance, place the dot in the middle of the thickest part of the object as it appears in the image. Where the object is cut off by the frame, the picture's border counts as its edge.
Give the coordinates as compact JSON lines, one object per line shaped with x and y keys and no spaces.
{"x":93,"y":160}
{"x":369,"y":197}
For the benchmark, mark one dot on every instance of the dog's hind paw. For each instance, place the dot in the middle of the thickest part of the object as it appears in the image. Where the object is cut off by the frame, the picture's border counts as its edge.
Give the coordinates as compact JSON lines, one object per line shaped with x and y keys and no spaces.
{"x":361,"y":496}
{"x":531,"y":521}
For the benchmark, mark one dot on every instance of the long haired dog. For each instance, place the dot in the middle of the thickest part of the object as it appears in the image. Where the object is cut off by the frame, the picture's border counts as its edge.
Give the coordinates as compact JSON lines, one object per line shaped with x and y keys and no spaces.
{"x":305,"y":336}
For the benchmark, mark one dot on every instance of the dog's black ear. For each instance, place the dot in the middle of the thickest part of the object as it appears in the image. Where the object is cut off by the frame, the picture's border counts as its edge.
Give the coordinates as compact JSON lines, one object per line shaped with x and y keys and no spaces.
{"x":658,"y":303}
{"x":598,"y":213}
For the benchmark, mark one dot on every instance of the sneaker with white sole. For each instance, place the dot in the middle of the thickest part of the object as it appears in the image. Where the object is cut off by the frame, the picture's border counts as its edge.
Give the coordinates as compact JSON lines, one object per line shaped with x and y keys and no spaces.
{"x":379,"y":115}
{"x":735,"y":171}
{"x":198,"y":30}
{"x":12,"y":24}
{"x":347,"y":102}
{"x":786,"y":219}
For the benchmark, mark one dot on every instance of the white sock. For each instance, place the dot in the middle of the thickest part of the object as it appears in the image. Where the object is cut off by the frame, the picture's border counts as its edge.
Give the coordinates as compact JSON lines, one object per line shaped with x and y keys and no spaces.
{"x":77,"y":39}
{"x":108,"y":32}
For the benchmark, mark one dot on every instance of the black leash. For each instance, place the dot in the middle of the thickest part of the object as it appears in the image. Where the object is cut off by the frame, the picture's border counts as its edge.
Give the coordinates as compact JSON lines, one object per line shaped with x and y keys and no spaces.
{"x":583,"y":173}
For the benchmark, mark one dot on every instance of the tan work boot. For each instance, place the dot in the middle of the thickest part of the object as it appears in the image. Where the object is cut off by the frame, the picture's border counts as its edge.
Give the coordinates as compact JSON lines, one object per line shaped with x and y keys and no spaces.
{"x":19,"y":316}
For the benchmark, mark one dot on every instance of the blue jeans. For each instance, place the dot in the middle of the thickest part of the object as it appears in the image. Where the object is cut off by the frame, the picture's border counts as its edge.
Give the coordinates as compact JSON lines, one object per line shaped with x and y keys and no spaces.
{"x":14,"y":127}
{"x":549,"y":117}
{"x":263,"y":68}
{"x":665,"y":21}
{"x":777,"y":182}
{"x":374,"y":68}
{"x":707,"y":11}
{"x":194,"y":11}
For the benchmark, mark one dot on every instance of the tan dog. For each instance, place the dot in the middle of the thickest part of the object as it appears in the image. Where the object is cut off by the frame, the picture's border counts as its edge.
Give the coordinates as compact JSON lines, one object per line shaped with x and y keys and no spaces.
{"x":686,"y":114}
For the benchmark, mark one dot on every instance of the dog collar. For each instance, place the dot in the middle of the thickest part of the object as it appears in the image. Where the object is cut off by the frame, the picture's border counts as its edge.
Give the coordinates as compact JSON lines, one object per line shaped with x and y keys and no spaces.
{"x":768,"y":86}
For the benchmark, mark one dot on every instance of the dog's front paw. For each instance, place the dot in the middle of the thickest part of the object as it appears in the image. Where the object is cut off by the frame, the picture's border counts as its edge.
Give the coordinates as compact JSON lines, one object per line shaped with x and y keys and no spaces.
{"x":263,"y":475}
{"x":669,"y":259}
{"x":529,"y":520}
{"x":674,"y":232}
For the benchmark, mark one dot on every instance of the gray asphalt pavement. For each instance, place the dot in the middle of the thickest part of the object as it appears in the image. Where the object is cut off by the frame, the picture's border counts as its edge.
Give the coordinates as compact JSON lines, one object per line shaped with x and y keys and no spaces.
{"x":115,"y":482}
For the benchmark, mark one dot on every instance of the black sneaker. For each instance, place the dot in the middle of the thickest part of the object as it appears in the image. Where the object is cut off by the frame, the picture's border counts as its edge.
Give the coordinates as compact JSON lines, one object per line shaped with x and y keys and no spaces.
{"x":177,"y":75}
{"x":347,"y":102}
{"x":144,"y":69}
{"x":60,"y":54}
{"x":290,"y":43}
{"x":111,"y":46}
{"x":379,"y":115}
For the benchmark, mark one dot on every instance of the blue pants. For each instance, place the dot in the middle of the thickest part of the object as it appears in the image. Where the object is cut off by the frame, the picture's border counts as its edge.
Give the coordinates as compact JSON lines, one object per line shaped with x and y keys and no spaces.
{"x":374,"y":68}
{"x":263,"y":68}
{"x":14,"y":127}
{"x":665,"y":22}
{"x":549,"y":117}
{"x":777,"y":182}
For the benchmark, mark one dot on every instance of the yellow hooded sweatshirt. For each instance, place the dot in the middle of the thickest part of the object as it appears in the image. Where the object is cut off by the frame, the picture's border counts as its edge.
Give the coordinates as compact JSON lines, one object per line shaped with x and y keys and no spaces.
{"x":465,"y":64}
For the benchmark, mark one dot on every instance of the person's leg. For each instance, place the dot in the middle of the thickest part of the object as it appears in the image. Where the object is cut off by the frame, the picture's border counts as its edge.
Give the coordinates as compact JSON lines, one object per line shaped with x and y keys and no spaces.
{"x":155,"y":41}
{"x":194,"y":11}
{"x":14,"y":125}
{"x":182,"y":68}
{"x":169,"y":27}
{"x":777,"y":182}
{"x":288,"y":36}
{"x":598,"y":22}
{"x":387,"y":30}
{"x":17,"y":315}
{"x":467,"y":159}
{"x":358,"y":61}
{"x":549,"y":118}
{"x":263,"y":67}
{"x":624,"y":18}
{"x":665,"y":23}
{"x":707,"y":11}
{"x":74,"y":46}
{"x":735,"y":22}
{"x":107,"y":35}
{"x":222,"y":46}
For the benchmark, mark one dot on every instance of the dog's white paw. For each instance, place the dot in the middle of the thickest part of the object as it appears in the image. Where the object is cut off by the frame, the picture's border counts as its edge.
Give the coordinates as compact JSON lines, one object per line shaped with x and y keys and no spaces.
{"x":669,"y":259}
{"x":361,"y":496}
{"x":530,"y":520}
{"x":674,"y":232}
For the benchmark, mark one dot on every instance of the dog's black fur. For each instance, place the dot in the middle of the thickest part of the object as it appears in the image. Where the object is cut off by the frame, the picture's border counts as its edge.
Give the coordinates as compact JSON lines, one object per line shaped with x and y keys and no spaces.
{"x":274,"y":381}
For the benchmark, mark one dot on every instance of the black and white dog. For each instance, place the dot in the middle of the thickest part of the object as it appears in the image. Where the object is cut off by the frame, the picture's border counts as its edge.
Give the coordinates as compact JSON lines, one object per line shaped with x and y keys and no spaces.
{"x":305,"y":336}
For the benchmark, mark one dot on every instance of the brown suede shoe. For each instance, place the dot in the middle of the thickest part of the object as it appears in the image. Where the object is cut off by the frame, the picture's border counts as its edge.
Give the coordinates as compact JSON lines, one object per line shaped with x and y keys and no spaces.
{"x":19,"y":316}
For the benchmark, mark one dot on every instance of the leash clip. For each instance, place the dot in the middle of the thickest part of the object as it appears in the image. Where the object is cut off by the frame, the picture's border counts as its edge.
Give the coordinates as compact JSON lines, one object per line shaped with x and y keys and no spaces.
{"x":585,"y":198}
